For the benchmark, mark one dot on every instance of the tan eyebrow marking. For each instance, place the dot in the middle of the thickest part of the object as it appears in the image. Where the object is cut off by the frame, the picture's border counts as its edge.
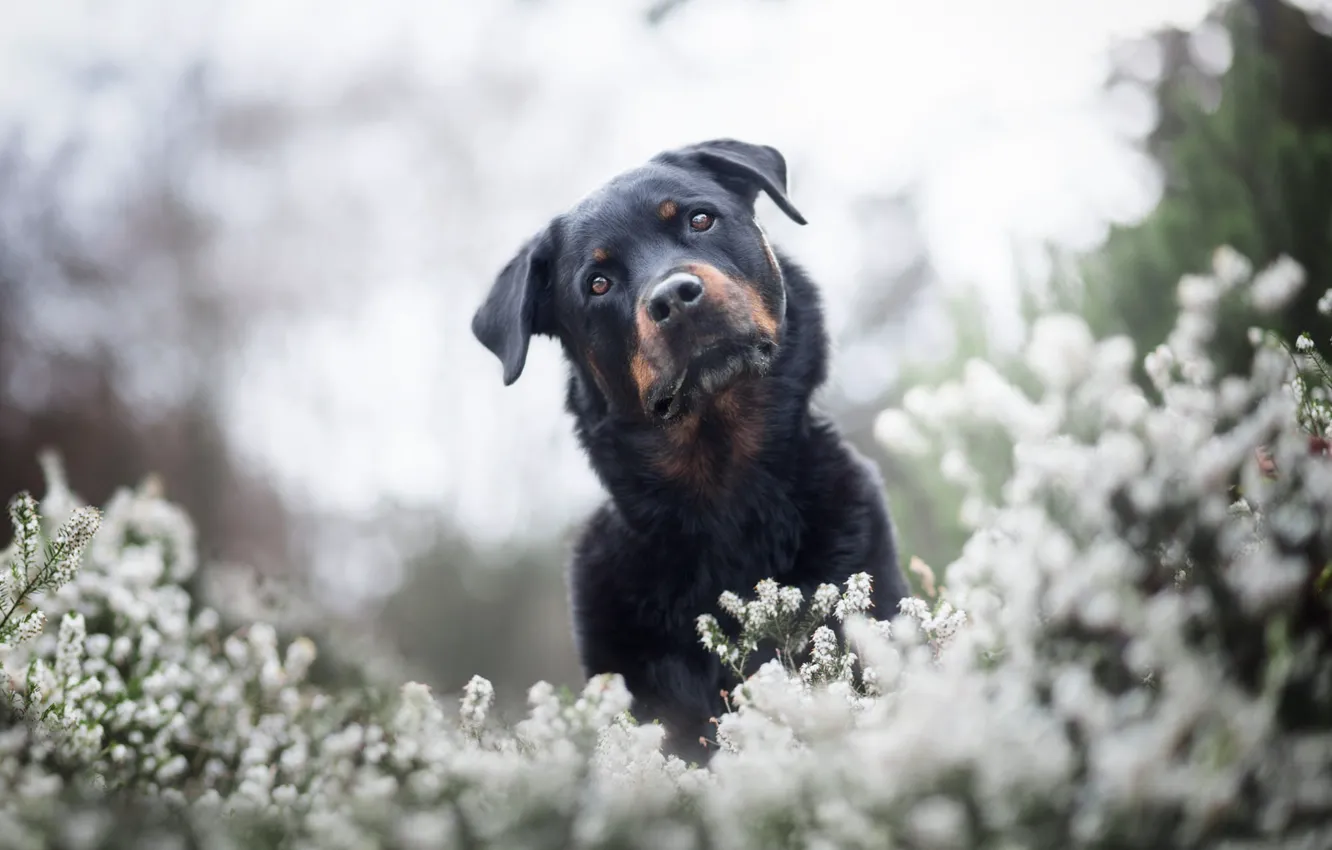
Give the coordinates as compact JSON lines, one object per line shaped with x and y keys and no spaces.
{"x":601,"y":255}
{"x":667,"y":210}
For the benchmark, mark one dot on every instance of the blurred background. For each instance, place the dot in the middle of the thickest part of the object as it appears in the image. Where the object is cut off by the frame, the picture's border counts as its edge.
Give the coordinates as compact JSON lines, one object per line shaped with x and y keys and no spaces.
{"x":241,"y":243}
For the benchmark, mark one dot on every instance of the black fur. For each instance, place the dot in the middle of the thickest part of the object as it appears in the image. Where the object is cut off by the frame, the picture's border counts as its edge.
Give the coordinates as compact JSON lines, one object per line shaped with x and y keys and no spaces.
{"x":699,"y":425}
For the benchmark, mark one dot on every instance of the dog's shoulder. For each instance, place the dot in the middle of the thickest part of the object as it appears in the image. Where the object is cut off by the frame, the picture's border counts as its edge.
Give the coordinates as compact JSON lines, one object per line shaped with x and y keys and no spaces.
{"x":845,"y":512}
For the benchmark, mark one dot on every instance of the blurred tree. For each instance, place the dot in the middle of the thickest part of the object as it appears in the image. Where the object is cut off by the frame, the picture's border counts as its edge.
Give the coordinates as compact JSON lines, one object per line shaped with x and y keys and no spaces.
{"x":113,"y":332}
{"x":1247,"y":161}
{"x":1245,"y":148}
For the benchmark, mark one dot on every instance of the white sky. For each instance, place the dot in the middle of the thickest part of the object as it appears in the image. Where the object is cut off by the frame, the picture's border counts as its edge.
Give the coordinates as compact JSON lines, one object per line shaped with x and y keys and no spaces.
{"x":518,"y":108}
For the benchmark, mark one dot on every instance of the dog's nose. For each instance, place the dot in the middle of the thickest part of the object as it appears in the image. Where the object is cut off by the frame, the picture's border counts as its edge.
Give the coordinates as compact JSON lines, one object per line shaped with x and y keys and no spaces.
{"x":673,"y":296}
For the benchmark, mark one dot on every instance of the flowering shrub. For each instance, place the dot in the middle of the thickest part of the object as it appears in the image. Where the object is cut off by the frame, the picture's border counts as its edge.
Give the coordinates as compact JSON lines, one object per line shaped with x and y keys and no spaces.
{"x":1132,"y":650}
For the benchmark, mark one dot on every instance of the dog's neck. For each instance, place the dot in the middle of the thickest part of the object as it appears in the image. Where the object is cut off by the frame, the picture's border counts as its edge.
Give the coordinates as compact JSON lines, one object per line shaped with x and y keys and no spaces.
{"x":676,"y":474}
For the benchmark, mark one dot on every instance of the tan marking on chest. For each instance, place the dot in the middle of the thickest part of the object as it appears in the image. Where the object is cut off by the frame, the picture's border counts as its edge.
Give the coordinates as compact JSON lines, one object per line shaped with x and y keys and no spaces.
{"x":705,"y":465}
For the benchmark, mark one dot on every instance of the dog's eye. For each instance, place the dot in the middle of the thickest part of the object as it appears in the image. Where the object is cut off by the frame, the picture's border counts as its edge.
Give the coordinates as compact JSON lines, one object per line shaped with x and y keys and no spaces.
{"x":701,"y":221}
{"x":599,"y":284}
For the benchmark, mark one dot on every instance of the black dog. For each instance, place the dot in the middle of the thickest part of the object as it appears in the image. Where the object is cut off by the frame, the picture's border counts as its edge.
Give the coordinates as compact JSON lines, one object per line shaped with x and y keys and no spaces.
{"x":694,"y":349}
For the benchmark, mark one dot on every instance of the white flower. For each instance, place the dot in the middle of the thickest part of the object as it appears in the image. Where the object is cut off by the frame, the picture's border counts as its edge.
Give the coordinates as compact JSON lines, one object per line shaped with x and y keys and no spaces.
{"x":955,"y":468}
{"x":1197,"y":293}
{"x":938,"y":822}
{"x":1325,"y":303}
{"x":732,"y":604}
{"x":895,"y":431}
{"x":1277,"y":284}
{"x":478,"y":696}
{"x":825,"y":599}
{"x":1230,"y":267}
{"x":27,"y":541}
{"x":789,"y":600}
{"x":1158,"y":366}
{"x":300,"y":655}
{"x":857,"y":599}
{"x":28,"y":628}
{"x":69,"y":650}
{"x":825,"y":663}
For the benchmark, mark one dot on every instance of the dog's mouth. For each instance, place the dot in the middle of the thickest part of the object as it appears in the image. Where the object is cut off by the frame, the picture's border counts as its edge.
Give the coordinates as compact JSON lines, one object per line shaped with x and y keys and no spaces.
{"x":667,"y":403}
{"x":713,"y":369}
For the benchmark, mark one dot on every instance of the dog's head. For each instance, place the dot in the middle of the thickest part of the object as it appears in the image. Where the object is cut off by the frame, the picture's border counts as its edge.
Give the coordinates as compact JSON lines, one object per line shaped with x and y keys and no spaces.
{"x":660,"y":285}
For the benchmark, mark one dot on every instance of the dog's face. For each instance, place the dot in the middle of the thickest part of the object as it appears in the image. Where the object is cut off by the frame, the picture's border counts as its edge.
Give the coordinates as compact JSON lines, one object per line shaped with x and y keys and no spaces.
{"x":661,"y":285}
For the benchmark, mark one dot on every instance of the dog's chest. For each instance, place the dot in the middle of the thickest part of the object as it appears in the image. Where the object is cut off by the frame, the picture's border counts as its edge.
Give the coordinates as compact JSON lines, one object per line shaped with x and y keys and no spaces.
{"x":676,"y":580}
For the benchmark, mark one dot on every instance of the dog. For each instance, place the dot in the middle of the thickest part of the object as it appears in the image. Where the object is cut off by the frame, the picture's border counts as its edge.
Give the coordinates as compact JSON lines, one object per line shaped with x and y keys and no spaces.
{"x":694,"y":347}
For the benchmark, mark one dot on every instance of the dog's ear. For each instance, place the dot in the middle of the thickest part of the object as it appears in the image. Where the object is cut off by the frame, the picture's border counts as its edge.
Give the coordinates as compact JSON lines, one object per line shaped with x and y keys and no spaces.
{"x":506,"y":320}
{"x":741,"y":167}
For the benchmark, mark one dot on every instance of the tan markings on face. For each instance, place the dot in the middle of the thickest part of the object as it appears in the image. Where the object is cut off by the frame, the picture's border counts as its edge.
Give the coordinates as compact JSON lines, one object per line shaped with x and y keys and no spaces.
{"x":738,"y":298}
{"x":649,"y":349}
{"x":643,"y":375}
{"x":759,"y":313}
{"x":717,"y":287}
{"x":600,"y":255}
{"x":667,"y":210}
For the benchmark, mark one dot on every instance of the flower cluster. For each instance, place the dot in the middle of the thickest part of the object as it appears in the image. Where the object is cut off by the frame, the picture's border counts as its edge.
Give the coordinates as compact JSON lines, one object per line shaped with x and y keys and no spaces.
{"x":775,"y":615}
{"x":1145,"y":657}
{"x":31,"y":571}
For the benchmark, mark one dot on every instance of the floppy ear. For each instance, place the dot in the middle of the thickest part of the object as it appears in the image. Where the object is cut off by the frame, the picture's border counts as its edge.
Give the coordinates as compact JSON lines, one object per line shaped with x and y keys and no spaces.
{"x":743,"y":168}
{"x":505,"y":322}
